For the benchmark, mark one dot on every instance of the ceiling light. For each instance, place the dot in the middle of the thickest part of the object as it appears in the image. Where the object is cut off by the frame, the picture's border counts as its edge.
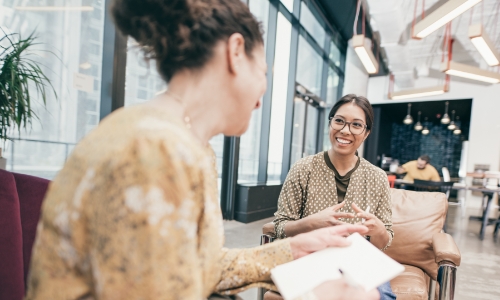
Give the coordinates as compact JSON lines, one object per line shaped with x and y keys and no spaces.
{"x":470,"y":72}
{"x":426,"y":130}
{"x":362,"y":46}
{"x":418,"y":126}
{"x":441,"y":16}
{"x":484,"y":45}
{"x":452,"y":125}
{"x":415,"y":93}
{"x":446,"y":118}
{"x":408,"y":119}
{"x":457,"y":131}
{"x":54,"y":8}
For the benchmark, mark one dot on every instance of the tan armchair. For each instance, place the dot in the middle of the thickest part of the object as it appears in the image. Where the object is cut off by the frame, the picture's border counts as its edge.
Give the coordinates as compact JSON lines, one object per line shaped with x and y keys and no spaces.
{"x":419,"y":244}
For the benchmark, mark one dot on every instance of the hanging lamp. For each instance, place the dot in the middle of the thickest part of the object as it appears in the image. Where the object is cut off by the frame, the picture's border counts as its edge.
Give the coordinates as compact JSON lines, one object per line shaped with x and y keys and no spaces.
{"x":452,"y":124}
{"x":457,"y":130}
{"x":446,"y":118}
{"x":408,"y":119}
{"x":426,"y":130}
{"x":440,"y":17}
{"x":418,"y":125}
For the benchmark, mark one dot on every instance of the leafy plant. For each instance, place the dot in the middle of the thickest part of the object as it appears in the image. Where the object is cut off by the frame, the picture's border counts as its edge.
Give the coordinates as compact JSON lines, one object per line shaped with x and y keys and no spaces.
{"x":18,"y":72}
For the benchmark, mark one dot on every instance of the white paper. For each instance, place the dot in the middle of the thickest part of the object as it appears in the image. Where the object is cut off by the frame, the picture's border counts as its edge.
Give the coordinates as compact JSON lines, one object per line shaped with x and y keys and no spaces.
{"x":83,"y":82}
{"x":361,"y":262}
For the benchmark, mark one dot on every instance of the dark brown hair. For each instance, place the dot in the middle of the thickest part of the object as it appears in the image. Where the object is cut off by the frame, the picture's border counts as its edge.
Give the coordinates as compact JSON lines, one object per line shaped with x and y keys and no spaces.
{"x":181,"y":34}
{"x":359,"y":101}
{"x":425,"y":158}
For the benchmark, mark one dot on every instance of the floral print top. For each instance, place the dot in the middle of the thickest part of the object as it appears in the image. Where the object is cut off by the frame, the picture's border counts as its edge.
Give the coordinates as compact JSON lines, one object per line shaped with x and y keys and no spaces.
{"x":134,"y":214}
{"x":310,"y":187}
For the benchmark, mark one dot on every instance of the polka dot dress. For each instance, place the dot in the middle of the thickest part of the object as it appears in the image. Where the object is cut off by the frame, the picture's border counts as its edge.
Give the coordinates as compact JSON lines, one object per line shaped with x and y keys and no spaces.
{"x":310,"y":188}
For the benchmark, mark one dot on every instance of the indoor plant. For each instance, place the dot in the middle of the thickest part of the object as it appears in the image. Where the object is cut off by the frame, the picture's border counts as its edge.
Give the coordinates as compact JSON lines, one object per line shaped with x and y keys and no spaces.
{"x":18,"y":73}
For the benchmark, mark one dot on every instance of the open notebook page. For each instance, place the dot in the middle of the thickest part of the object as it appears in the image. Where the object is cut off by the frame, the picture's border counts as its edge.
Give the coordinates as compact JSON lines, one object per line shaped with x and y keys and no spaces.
{"x":361,"y":262}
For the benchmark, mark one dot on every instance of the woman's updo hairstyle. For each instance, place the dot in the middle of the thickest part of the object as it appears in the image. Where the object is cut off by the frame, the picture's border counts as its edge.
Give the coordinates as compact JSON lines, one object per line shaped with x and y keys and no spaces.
{"x":181,"y":34}
{"x":360,"y":102}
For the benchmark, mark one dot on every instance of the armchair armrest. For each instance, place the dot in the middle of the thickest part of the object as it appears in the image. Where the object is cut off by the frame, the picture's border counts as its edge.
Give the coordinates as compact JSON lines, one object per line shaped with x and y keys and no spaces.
{"x":268,"y":229}
{"x":445,"y":249}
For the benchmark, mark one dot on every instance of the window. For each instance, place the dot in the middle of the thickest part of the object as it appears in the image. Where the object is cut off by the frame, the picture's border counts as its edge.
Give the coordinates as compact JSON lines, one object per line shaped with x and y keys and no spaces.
{"x":332,"y":85}
{"x":279,"y":98}
{"x":142,"y":81}
{"x":288,"y":4}
{"x":63,"y":38}
{"x":335,"y":55}
{"x":250,"y":141}
{"x":312,"y":25}
{"x":309,"y":67}
{"x":260,"y":9}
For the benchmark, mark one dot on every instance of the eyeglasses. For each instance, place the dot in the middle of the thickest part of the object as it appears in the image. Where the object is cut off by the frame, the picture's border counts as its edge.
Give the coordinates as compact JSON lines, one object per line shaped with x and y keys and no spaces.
{"x":355,"y":127}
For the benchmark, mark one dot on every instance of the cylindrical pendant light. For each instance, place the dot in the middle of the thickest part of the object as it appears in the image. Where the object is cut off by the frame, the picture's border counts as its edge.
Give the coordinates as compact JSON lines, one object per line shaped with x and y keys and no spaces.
{"x":446,"y":118}
{"x":418,"y":125}
{"x":452,"y":125}
{"x":425,"y":130}
{"x":408,"y":119}
{"x":457,"y":130}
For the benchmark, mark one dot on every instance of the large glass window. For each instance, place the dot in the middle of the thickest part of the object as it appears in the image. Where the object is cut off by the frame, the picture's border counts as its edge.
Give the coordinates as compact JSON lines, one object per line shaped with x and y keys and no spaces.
{"x":69,"y":52}
{"x":334,"y":54}
{"x":332,"y":86}
{"x":142,"y":80}
{"x":250,"y":141}
{"x":260,"y":9}
{"x":288,"y":4}
{"x":279,"y":97}
{"x":309,"y":68}
{"x":312,"y":25}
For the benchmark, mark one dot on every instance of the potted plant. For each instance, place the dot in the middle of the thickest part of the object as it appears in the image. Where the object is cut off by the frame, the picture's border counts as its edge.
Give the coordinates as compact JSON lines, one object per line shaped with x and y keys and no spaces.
{"x":21,"y":81}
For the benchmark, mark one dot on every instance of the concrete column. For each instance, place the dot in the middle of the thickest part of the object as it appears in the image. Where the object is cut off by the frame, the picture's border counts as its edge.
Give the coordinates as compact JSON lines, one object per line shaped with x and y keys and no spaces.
{"x":355,"y":79}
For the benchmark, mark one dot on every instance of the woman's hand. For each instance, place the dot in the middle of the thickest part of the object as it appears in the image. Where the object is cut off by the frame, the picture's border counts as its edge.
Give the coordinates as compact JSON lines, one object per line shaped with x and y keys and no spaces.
{"x":376,"y":229}
{"x":307,"y":243}
{"x":340,"y":290}
{"x":328,"y":217}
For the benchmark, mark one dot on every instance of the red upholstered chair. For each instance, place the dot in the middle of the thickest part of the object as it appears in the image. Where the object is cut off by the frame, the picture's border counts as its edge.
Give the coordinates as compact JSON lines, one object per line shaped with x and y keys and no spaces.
{"x":21,"y":197}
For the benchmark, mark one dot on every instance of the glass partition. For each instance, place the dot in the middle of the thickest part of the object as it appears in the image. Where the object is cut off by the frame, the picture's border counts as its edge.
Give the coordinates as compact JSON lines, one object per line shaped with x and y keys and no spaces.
{"x":70,"y":37}
{"x":279,"y":94}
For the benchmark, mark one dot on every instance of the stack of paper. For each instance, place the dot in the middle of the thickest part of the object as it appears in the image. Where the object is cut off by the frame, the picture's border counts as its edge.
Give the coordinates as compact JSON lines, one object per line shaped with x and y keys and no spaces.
{"x":362,"y":264}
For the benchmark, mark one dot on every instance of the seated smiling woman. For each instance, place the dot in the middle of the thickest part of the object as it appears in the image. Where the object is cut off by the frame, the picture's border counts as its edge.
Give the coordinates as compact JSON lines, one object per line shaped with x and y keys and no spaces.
{"x":336,"y":186}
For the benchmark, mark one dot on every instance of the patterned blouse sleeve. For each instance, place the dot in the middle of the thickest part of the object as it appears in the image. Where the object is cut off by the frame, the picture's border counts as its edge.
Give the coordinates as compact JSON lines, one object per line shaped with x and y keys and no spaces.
{"x":143,"y":225}
{"x":384,"y":209}
{"x":292,"y":196}
{"x":246,"y":268}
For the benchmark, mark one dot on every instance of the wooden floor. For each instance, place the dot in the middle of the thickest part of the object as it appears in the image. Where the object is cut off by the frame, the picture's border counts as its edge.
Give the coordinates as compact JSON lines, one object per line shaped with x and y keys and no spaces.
{"x":477,"y":278}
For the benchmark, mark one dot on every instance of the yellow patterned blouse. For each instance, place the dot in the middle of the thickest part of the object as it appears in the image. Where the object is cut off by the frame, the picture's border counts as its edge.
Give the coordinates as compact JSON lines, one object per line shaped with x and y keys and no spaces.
{"x":134,"y":214}
{"x":310,"y":187}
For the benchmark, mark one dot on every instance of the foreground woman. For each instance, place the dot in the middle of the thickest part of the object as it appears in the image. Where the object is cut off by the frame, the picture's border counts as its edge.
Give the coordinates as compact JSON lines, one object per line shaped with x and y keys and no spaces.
{"x":337,"y":187}
{"x":134,"y":213}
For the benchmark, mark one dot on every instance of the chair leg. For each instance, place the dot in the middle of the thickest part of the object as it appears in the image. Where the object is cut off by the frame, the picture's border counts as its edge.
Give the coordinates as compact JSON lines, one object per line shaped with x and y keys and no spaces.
{"x":432,"y":290}
{"x":447,"y":281}
{"x":260,"y":293}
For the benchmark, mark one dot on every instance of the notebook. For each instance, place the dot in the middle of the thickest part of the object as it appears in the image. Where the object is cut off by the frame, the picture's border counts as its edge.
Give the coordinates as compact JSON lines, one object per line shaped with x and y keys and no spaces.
{"x":362,"y":265}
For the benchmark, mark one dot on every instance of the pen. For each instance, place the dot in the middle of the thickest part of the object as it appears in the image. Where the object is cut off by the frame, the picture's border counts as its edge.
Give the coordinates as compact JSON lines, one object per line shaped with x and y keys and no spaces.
{"x":348,"y":279}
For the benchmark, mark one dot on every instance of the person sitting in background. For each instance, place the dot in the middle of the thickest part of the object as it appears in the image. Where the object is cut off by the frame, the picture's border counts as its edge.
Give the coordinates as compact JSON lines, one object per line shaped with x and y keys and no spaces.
{"x":419,"y":169}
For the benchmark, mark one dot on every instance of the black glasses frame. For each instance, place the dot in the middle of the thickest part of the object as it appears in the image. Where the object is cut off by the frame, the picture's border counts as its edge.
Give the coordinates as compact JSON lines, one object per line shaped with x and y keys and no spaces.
{"x":347,"y":123}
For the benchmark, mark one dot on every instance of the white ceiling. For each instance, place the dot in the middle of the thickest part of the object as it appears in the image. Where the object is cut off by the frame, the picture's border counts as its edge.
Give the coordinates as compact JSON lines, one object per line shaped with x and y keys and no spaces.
{"x":409,"y":58}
